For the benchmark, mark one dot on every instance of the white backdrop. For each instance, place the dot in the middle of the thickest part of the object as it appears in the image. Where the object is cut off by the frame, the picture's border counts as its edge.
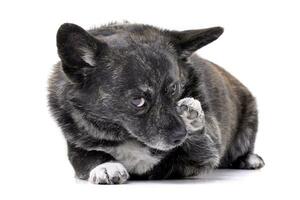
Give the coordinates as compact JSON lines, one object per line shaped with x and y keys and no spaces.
{"x":260,"y":47}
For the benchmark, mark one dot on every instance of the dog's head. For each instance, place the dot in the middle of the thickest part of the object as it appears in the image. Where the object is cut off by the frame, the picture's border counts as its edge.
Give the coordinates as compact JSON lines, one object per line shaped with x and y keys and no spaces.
{"x":131,"y":75}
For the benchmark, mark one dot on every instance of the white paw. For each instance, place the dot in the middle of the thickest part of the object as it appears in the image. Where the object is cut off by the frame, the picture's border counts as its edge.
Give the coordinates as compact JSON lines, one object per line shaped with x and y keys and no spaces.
{"x":108,"y":173}
{"x":192,"y":114}
{"x":253,"y":161}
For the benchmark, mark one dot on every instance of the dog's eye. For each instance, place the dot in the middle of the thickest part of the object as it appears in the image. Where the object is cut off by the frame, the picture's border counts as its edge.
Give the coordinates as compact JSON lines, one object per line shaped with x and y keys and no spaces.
{"x":138,"y":102}
{"x":173,"y":89}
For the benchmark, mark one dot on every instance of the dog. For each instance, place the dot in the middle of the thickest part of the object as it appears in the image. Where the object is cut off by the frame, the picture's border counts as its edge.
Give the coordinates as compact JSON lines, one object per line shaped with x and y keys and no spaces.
{"x":135,"y":102}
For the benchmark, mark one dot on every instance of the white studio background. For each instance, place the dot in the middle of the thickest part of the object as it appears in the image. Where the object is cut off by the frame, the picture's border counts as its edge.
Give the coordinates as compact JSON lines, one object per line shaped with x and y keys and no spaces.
{"x":260,"y":46}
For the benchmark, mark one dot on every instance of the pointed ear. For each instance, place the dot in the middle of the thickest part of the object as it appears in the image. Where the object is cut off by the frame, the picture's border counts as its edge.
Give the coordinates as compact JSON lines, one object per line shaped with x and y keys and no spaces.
{"x":78,"y":50}
{"x":187,"y":42}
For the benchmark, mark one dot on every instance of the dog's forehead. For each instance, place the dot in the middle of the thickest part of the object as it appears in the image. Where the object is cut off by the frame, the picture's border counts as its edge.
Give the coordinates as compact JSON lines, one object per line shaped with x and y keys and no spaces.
{"x":141,"y":59}
{"x":151,"y":66}
{"x":132,"y":36}
{"x":117,"y":40}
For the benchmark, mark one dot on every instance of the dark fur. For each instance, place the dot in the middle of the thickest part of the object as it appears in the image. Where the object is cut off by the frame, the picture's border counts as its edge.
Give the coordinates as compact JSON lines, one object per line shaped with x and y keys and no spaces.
{"x":90,"y":100}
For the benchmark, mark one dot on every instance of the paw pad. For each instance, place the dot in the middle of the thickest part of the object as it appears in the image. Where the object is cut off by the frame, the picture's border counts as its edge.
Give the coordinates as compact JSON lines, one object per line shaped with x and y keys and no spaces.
{"x":191,"y":112}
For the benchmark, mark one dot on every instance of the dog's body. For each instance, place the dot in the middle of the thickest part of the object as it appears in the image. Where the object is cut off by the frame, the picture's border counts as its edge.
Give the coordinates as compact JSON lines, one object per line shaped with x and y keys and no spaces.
{"x":133,"y":100}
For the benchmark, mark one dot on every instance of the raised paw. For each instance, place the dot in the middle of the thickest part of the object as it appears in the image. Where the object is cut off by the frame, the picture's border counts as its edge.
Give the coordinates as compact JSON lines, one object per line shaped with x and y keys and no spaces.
{"x":109,"y":173}
{"x":192,"y":114}
{"x":250,"y":161}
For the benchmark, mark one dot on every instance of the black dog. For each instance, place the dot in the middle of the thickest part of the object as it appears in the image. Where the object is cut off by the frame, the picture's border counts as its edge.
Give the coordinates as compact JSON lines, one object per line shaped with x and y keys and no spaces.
{"x":127,"y":97}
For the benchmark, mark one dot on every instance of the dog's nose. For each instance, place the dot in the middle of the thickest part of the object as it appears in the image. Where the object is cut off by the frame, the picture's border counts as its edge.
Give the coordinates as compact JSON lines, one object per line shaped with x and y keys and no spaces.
{"x":177,"y":136}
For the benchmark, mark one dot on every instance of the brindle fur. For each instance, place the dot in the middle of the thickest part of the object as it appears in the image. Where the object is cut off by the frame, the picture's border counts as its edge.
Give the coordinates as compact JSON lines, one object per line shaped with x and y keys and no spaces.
{"x":88,"y":99}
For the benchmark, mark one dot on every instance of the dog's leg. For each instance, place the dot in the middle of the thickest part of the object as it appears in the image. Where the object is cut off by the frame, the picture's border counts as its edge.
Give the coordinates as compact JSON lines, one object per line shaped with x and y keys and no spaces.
{"x":200,"y":152}
{"x":96,"y":166}
{"x":240,"y":154}
{"x":203,"y":144}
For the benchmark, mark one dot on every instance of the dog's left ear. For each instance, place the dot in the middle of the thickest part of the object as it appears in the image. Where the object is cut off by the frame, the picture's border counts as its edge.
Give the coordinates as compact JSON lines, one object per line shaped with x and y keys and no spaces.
{"x":187,"y":42}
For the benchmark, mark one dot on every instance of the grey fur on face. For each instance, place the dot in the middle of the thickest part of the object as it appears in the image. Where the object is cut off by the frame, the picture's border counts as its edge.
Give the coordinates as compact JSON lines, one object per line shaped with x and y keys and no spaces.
{"x":120,"y":88}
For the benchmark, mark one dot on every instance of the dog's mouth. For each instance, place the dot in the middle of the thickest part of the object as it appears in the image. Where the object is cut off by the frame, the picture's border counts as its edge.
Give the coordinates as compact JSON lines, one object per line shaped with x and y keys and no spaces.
{"x":158,"y":144}
{"x":161,"y":146}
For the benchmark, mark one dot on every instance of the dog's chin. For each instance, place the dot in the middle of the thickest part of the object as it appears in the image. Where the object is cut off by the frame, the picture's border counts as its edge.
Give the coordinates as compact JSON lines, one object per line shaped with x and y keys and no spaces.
{"x":161,"y":146}
{"x":155,"y":144}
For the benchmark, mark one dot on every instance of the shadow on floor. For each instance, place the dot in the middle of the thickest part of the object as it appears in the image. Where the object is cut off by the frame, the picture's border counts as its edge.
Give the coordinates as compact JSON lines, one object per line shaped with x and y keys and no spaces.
{"x":215,"y":176}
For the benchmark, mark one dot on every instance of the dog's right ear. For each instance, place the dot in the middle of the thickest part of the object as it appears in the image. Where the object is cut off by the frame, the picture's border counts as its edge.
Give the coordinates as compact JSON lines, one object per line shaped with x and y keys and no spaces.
{"x":78,"y":51}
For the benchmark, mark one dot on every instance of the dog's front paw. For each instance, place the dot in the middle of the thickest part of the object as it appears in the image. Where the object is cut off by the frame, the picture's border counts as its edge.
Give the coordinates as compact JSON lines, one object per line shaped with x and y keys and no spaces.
{"x":109,"y":173}
{"x":192,"y":114}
